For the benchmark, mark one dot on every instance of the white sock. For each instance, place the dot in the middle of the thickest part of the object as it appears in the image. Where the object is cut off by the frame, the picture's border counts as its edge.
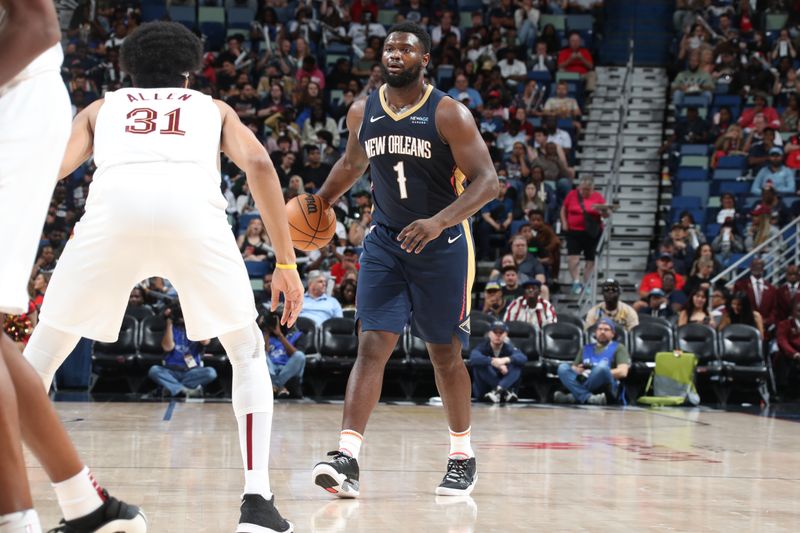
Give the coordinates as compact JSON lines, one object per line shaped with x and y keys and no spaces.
{"x":254,"y":433}
{"x":350,"y":442}
{"x":460,"y":448}
{"x":47,"y":349}
{"x":252,"y":404}
{"x":21,"y":522}
{"x":78,"y":495}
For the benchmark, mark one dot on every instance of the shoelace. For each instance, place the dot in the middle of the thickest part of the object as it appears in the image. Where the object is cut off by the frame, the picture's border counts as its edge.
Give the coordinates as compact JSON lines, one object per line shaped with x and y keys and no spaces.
{"x":339,"y":457}
{"x":456,"y":470}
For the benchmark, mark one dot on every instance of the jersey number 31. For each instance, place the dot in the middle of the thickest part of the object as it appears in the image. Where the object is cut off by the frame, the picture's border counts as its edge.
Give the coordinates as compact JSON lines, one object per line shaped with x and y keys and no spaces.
{"x":144,"y":121}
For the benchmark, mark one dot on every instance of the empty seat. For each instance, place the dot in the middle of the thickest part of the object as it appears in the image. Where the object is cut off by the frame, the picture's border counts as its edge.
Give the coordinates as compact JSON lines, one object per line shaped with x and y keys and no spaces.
{"x":647,"y":339}
{"x":150,"y":351}
{"x":524,"y":337}
{"x":561,"y":343}
{"x":311,"y":332}
{"x":571,"y":319}
{"x":478,"y":331}
{"x":480,"y":315}
{"x":742,"y":358}
{"x":339,"y":344}
{"x":139,"y":313}
{"x":120,"y":354}
{"x":699,"y":339}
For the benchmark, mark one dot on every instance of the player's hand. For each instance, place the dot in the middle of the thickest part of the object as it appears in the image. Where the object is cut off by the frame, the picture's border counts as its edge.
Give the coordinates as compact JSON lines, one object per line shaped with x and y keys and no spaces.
{"x":287,"y":282}
{"x":419,"y":233}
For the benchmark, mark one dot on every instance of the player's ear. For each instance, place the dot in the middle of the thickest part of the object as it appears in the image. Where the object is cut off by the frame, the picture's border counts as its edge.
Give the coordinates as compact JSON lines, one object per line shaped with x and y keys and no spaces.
{"x":426,"y":58}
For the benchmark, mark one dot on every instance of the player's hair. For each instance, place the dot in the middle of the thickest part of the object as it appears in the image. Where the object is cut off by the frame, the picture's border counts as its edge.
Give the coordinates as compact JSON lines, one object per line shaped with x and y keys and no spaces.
{"x":160,"y":54}
{"x":415,"y":29}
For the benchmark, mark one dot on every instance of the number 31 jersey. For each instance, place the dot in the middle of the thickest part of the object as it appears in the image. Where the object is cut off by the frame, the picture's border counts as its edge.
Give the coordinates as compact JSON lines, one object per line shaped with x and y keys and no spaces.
{"x":413,"y":172}
{"x":169,"y":130}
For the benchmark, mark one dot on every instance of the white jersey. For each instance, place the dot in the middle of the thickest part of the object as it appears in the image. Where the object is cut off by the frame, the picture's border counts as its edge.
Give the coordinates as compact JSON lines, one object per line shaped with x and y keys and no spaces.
{"x":159,"y":128}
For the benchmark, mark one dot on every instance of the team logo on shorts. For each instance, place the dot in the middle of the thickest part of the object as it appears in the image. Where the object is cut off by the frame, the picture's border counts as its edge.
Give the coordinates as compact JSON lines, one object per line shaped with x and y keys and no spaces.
{"x":465,"y":326}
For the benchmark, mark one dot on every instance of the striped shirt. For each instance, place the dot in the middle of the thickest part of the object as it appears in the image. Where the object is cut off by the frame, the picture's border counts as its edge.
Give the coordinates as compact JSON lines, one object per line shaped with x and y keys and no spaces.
{"x":538,"y":316}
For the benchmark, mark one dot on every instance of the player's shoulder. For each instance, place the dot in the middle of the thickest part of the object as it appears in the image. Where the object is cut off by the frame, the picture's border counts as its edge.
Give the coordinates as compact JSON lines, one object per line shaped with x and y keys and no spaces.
{"x":453,"y":116}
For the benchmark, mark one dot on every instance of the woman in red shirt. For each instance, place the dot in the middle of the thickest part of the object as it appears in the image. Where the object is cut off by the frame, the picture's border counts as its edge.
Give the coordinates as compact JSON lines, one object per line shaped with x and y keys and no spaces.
{"x":579,"y":239}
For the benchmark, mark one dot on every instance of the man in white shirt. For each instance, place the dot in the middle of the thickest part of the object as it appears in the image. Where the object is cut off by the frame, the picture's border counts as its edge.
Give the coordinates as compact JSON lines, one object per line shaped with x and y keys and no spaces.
{"x":439,"y":32}
{"x":556,"y":135}
{"x":512,"y":69}
{"x":360,"y":32}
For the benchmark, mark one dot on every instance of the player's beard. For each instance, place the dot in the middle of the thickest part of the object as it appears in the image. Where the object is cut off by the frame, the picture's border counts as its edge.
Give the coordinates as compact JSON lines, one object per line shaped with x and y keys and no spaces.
{"x":404,"y":78}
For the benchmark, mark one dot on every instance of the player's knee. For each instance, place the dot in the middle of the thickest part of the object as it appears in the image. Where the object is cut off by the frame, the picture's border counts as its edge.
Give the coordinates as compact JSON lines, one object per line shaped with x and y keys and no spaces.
{"x":446,"y":360}
{"x":243,"y":345}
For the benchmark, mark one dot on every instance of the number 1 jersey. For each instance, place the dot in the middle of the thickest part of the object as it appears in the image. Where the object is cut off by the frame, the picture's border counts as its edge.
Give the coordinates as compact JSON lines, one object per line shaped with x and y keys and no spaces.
{"x":413,"y":172}
{"x":164,"y":130}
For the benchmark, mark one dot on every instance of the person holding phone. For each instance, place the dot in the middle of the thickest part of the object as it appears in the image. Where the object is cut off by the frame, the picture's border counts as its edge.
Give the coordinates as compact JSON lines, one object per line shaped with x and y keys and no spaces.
{"x":285,"y":356}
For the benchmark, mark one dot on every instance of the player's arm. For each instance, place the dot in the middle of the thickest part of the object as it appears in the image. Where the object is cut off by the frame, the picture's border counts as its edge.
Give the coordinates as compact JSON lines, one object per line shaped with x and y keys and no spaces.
{"x":352,"y":164}
{"x":31,"y":27}
{"x":458,"y":129}
{"x":242,"y":147}
{"x":81,"y":140}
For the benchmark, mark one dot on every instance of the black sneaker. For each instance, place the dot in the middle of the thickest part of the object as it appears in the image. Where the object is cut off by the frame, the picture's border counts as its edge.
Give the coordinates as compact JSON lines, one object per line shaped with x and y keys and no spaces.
{"x":460,"y":479}
{"x":259,"y":515}
{"x":113,"y":516}
{"x":338,"y":476}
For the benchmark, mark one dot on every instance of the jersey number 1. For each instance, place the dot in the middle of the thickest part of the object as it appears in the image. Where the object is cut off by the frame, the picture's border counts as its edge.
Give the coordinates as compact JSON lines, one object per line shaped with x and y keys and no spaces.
{"x":144,"y":121}
{"x":401,"y":179}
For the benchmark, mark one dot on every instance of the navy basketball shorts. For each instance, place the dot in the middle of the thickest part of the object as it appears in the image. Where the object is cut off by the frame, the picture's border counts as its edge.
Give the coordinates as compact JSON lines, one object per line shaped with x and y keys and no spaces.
{"x":431,"y":290}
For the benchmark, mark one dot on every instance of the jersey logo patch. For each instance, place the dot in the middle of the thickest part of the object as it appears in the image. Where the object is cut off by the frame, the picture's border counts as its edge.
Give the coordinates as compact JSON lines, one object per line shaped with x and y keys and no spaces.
{"x":465,"y":326}
{"x":419,"y":120}
{"x":376,"y":119}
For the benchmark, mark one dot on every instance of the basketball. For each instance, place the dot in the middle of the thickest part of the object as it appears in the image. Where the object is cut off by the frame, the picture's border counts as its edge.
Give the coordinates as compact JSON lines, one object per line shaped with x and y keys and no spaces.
{"x":310,"y":226}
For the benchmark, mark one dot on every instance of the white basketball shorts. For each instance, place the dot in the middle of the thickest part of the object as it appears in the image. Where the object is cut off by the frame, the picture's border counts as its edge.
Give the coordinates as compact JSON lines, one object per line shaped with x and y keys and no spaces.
{"x":150,"y":220}
{"x":35,"y":117}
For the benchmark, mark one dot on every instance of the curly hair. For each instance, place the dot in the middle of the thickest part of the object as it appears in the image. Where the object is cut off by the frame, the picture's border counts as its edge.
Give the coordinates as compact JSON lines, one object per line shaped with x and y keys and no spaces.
{"x":159,"y":54}
{"x":410,"y":27}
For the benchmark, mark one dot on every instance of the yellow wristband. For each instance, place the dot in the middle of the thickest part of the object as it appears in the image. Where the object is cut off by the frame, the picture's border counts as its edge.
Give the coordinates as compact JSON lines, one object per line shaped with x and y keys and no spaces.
{"x":282,"y":266}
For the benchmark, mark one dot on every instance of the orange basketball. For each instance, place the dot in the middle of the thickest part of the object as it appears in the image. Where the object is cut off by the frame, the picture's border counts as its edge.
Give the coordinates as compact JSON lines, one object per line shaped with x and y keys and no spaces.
{"x":310,"y":226}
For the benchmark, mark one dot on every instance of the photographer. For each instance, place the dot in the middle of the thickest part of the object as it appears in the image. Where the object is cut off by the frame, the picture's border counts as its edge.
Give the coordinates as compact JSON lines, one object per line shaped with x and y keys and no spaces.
{"x":285,"y":356}
{"x":182,"y":372}
{"x":596,"y":371}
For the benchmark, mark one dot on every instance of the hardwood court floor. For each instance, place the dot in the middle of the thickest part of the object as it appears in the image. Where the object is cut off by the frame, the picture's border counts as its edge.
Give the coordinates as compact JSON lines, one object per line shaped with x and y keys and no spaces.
{"x":541,"y":468}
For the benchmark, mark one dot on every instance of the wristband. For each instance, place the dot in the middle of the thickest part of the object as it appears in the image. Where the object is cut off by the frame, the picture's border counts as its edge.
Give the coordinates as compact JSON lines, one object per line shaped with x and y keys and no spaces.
{"x":286,"y":266}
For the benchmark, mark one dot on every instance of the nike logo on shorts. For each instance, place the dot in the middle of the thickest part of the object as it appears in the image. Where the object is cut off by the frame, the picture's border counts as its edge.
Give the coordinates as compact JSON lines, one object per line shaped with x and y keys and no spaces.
{"x":451,"y":240}
{"x":376,"y":119}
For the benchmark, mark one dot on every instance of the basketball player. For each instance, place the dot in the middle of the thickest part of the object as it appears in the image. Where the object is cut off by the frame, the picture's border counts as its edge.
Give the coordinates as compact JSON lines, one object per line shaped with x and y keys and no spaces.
{"x":34,"y":128}
{"x":418,"y":260}
{"x":155,"y":209}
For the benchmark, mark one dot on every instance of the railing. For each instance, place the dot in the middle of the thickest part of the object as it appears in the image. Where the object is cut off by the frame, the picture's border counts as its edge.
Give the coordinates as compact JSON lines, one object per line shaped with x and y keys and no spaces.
{"x":589,"y":295}
{"x":777,"y":252}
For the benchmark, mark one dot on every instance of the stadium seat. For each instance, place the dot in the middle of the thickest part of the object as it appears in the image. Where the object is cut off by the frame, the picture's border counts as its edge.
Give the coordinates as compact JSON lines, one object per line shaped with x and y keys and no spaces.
{"x":695,"y":189}
{"x":775,"y":22}
{"x":386,"y":17}
{"x":647,"y":339}
{"x":694,"y":161}
{"x":580,"y":22}
{"x":732,"y":161}
{"x":250,"y":4}
{"x":742,"y":359}
{"x":117,"y":359}
{"x":150,"y":351}
{"x":183,"y":14}
{"x":477,"y":334}
{"x":568,"y":318}
{"x":694,"y":149}
{"x":686,"y":202}
{"x":240,"y":17}
{"x":699,"y":339}
{"x":139,"y":313}
{"x":339,"y":343}
{"x":542,"y":77}
{"x":211,"y":14}
{"x":469,"y":5}
{"x":727,"y":100}
{"x":561,"y":343}
{"x":215,"y":34}
{"x":257,"y":269}
{"x":691,"y":174}
{"x":311,"y":331}
{"x":479,"y":315}
{"x":152,"y":12}
{"x":559,"y":22}
{"x":726,"y":173}
{"x":524,"y":337}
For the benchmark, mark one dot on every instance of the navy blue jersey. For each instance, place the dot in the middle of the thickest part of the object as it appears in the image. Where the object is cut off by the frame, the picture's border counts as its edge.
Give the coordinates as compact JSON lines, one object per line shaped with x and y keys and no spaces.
{"x":413,"y":171}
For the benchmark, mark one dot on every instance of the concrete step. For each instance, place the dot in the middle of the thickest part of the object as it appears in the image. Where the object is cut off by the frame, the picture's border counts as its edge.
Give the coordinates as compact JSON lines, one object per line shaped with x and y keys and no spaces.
{"x":639,"y":220}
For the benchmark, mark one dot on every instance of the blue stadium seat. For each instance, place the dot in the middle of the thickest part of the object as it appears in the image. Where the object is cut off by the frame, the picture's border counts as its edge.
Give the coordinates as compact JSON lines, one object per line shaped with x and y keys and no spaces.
{"x":542,"y":77}
{"x":694,"y":101}
{"x":727,"y":100}
{"x":183,"y":14}
{"x":734,"y":187}
{"x":256,"y":269}
{"x":712,"y":230}
{"x":732,"y":161}
{"x":240,"y":17}
{"x":215,"y":34}
{"x":691,"y":174}
{"x":245,"y":219}
{"x":694,"y":149}
{"x":727,"y":173}
{"x":580,"y":22}
{"x":153,"y":12}
{"x":686,"y":202}
{"x":696,"y":189}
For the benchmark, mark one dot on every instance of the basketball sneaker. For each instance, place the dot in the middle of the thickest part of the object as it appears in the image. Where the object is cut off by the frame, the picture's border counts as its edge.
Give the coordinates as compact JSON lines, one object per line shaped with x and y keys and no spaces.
{"x":113,"y":516}
{"x":338,"y":476}
{"x":460,"y":479}
{"x":259,"y":515}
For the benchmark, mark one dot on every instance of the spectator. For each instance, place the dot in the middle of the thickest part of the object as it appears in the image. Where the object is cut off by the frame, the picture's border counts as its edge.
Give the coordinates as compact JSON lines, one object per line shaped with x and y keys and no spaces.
{"x":513,"y":135}
{"x":704,"y":251}
{"x":544,"y":244}
{"x":496,"y":218}
{"x":719,"y":303}
{"x":254,"y":243}
{"x":465,"y":94}
{"x":46,"y":260}
{"x":541,"y":60}
{"x":577,"y":59}
{"x":581,"y":220}
{"x":764,"y":227}
{"x":775,"y":174}
{"x":759,"y":152}
{"x":296,"y":187}
{"x":654,"y":280}
{"x":557,"y":135}
{"x":347,"y":294}
{"x":562,"y":105}
{"x":285,"y":357}
{"x":729,"y":143}
{"x":760,"y":107}
{"x":676,"y":297}
{"x":761,"y":293}
{"x":739,"y":311}
{"x":315,"y":171}
{"x":182,"y":371}
{"x":319,"y":121}
{"x":702,"y":273}
{"x":727,"y":208}
{"x":693,"y":80}
{"x":444,"y":28}
{"x":537,"y":195}
{"x":790,"y":120}
{"x":526,"y":20}
{"x":511,"y":284}
{"x":348,"y":262}
{"x":527,"y":264}
{"x":682,"y":252}
{"x":594,"y":375}
{"x":787,"y":361}
{"x":263,"y":296}
{"x":783,"y":47}
{"x":493,"y":303}
{"x":317,"y":305}
{"x":694,"y":234}
{"x":531,"y":101}
{"x":136,"y":306}
{"x":696,"y":309}
{"x":247,"y":104}
{"x":496,"y":366}
{"x":787,"y":293}
{"x":692,"y":129}
{"x":512,"y":69}
{"x":728,"y":241}
{"x":611,"y":307}
{"x":657,"y":306}
{"x":531,"y":307}
{"x":518,"y":165}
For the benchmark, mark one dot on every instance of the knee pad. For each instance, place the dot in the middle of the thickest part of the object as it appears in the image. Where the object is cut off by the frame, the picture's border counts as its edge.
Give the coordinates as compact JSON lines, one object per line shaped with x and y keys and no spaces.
{"x":252,"y":387}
